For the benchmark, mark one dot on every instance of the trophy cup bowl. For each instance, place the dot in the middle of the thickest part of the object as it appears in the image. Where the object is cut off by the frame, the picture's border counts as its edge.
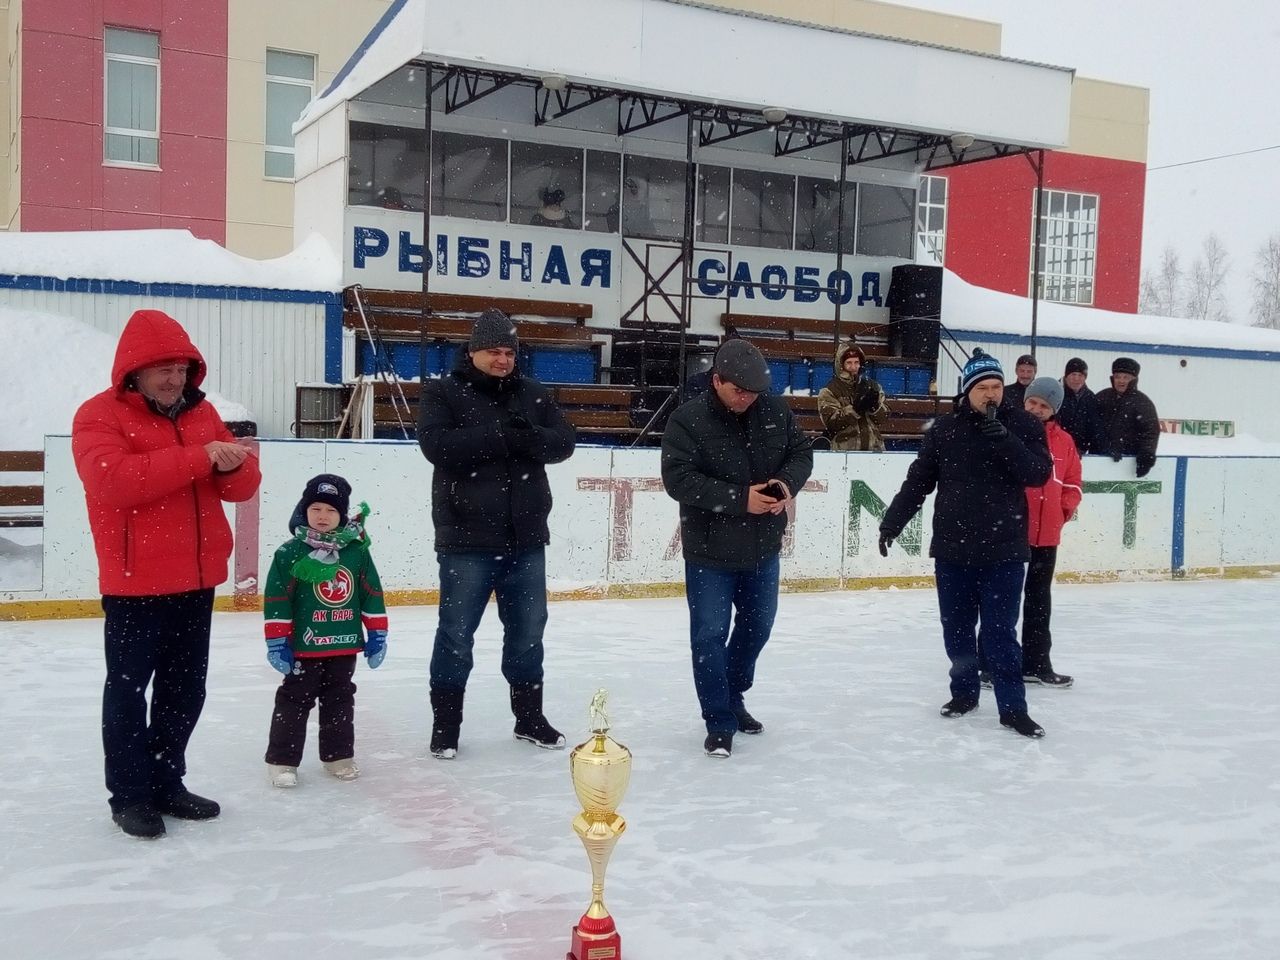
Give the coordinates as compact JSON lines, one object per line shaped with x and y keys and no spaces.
{"x":601,"y":769}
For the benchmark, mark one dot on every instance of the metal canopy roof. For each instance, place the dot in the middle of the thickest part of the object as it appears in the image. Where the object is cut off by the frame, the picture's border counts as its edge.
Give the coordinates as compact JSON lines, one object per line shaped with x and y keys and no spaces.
{"x":663,"y":58}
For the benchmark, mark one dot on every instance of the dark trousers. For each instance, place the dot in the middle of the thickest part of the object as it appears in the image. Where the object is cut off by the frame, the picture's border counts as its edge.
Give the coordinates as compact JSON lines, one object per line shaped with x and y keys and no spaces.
{"x":467,"y":580}
{"x":724,"y":662}
{"x":1037,"y":606}
{"x":327,"y":679}
{"x":164,"y":641}
{"x":991,"y":594}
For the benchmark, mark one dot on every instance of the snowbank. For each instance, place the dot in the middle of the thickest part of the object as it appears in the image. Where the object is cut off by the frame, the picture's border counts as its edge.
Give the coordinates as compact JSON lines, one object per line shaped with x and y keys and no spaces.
{"x":55,"y":364}
{"x":165,"y":256}
{"x":977,"y":309}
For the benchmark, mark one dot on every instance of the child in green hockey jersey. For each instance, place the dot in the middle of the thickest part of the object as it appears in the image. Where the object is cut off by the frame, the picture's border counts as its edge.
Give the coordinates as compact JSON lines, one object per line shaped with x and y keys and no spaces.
{"x":322,"y":590}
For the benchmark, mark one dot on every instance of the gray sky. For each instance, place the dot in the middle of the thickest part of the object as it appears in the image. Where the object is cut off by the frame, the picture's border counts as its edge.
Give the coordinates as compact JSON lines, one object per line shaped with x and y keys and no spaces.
{"x":1213,"y":69}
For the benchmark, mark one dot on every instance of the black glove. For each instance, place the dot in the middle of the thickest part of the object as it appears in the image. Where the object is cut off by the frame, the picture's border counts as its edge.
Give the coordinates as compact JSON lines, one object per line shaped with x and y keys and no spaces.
{"x":886,"y":542}
{"x":1117,"y":456}
{"x":520,"y":439}
{"x":1145,"y":462}
{"x":866,"y":402}
{"x":991,"y":428}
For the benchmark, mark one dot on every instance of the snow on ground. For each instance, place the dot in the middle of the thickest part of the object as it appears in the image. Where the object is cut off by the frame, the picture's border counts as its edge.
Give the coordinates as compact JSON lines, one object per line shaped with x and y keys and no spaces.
{"x":69,"y":361}
{"x":21,"y":557}
{"x":1146,"y":826}
{"x":165,"y":256}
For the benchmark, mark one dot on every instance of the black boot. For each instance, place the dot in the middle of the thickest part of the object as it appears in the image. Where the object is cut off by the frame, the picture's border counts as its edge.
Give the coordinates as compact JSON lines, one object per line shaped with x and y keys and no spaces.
{"x":1023,"y":724}
{"x":185,"y":805}
{"x":746,"y":722}
{"x":140,"y":820}
{"x":446,"y":708}
{"x":718,"y":745}
{"x":531,"y":725}
{"x":958,"y":707}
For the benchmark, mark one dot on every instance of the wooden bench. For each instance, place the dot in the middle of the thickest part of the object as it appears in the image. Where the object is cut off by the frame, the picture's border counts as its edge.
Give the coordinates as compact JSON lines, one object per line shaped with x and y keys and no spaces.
{"x":591,"y":408}
{"x":16,"y":501}
{"x":908,"y":416}
{"x":804,"y":338}
{"x":397,"y":315}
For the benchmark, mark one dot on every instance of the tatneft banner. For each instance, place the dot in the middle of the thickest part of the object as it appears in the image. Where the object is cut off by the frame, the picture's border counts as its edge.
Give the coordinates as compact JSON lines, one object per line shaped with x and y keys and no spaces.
{"x":614,"y":529}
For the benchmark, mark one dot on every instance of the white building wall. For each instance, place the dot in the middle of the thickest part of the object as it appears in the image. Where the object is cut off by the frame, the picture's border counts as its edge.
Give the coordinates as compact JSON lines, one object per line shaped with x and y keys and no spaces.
{"x":256,"y":350}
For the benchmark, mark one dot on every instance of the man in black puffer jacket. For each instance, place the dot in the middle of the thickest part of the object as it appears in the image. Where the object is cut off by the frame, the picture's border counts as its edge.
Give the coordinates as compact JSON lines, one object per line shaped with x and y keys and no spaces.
{"x":732,"y":458}
{"x":980,"y":458}
{"x":489,"y":432}
{"x":1130,"y":424}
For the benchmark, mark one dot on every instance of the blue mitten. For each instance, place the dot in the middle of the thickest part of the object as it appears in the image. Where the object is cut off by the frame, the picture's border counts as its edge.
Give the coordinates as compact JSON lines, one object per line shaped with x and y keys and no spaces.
{"x":279,"y":655}
{"x":375,"y":648}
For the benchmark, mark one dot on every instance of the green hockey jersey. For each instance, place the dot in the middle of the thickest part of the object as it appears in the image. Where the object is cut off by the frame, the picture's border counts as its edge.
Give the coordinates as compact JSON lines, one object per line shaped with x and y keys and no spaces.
{"x":324,"y":619}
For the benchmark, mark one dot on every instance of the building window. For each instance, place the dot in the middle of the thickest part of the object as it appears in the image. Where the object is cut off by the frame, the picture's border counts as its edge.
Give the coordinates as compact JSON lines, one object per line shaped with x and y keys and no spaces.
{"x":885,"y":215}
{"x":386,"y":167}
{"x":600,"y":205}
{"x":131,"y":107}
{"x":290,"y":87}
{"x":468,"y":176}
{"x":546,"y":185}
{"x":713,"y":204}
{"x":931,"y":220}
{"x":1068,"y":246}
{"x":764,"y":206}
{"x":653,"y":198}
{"x":818,"y":213}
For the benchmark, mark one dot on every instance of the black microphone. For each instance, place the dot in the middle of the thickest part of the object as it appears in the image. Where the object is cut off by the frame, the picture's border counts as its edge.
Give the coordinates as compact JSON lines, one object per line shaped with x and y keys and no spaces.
{"x":992,"y":408}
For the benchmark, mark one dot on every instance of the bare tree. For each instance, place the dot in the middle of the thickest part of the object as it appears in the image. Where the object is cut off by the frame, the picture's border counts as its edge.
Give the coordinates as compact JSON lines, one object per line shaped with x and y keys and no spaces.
{"x":1160,"y":292}
{"x":1266,"y":284}
{"x":1206,"y":285}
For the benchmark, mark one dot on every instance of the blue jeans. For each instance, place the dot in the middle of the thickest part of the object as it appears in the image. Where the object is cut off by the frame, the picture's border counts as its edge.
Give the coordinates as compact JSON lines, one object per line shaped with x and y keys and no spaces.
{"x":724,"y":663}
{"x":991,"y":593}
{"x":467,"y":580}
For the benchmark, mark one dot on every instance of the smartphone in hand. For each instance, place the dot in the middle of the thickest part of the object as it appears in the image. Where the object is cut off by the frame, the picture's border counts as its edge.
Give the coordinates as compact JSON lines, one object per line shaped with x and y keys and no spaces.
{"x":776,"y":490}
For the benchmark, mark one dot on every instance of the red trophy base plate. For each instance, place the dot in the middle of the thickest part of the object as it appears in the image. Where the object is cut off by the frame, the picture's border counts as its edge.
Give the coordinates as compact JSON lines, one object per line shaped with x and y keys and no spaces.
{"x":588,"y":946}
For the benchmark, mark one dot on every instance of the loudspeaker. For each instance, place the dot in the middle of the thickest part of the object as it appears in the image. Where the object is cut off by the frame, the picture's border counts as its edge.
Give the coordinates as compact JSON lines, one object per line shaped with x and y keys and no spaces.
{"x":915,"y":305}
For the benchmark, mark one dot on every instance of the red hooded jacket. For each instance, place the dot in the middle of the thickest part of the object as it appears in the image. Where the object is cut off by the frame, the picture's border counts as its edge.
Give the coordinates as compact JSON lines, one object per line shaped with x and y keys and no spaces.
{"x":1051,"y":506}
{"x":155,"y":501}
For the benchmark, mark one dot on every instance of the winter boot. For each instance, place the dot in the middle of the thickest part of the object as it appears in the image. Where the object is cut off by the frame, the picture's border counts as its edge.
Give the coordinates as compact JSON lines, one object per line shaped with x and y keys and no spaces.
{"x":746,"y":722}
{"x":182,"y":804}
{"x":141,"y":820}
{"x":531,"y":725}
{"x":446,"y":723}
{"x":984,"y":680}
{"x":718,"y":745}
{"x":1023,"y":724}
{"x":344,"y":769}
{"x":1049,"y":679}
{"x":956,"y":707}
{"x":282,"y":776}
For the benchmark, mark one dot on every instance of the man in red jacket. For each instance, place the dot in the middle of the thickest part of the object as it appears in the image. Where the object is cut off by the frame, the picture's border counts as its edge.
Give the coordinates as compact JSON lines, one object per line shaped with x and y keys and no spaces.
{"x":156,"y":461}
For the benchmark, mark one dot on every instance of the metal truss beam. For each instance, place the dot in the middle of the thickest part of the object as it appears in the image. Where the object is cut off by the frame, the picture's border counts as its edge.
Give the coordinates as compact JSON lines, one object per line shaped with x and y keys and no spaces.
{"x":732,"y":124}
{"x":464,"y":86}
{"x":637,"y":112}
{"x":550,"y":105}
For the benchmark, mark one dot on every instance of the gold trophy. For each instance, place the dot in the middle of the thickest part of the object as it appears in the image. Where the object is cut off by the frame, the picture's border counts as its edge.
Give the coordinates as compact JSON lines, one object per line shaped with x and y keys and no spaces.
{"x":601,"y":769}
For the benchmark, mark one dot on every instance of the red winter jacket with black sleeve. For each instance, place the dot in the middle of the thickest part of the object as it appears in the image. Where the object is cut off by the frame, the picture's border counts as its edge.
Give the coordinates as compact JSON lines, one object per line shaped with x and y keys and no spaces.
{"x":1051,"y":506}
{"x":155,"y":501}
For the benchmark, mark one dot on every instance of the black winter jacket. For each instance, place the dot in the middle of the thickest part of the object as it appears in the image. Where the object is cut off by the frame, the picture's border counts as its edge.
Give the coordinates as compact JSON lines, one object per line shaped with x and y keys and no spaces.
{"x":980,"y":515}
{"x":1079,"y":416}
{"x":489,"y":438}
{"x":711,"y":456}
{"x":1130,"y":425}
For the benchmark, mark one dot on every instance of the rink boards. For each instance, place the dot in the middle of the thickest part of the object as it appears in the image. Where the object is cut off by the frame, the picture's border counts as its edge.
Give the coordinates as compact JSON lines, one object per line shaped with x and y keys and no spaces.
{"x":614,"y":531}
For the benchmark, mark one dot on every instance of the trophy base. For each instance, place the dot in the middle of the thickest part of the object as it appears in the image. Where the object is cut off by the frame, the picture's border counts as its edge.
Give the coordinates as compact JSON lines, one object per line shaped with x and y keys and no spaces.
{"x":589,"y":946}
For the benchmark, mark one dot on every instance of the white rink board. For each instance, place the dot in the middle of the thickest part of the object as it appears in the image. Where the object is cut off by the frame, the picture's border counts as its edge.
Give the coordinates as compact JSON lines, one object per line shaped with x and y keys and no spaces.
{"x":613,"y":525}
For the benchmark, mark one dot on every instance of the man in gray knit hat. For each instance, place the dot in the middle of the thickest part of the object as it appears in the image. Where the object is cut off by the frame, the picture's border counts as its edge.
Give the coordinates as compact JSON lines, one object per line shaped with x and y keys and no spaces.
{"x":489,"y":432}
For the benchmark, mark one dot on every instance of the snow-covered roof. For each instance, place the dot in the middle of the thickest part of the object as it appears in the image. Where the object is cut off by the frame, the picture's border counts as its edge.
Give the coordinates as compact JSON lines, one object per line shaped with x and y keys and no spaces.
{"x":165,"y":256}
{"x":710,"y":55}
{"x":61,"y":362}
{"x":966,"y":307}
